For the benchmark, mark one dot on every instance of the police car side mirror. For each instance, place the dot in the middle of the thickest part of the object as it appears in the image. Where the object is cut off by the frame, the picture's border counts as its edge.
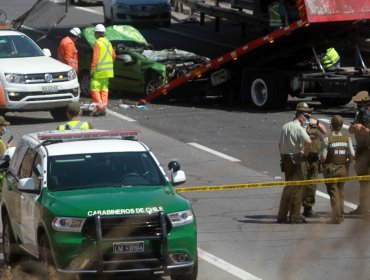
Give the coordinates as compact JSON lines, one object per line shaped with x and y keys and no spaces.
{"x":26,"y":185}
{"x":177,"y":176}
{"x":47,"y":52}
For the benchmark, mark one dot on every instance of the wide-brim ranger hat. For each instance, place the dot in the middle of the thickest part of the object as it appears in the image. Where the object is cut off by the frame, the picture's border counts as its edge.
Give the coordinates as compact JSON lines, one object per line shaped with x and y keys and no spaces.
{"x":303,"y":107}
{"x":3,"y":121}
{"x":361,"y":97}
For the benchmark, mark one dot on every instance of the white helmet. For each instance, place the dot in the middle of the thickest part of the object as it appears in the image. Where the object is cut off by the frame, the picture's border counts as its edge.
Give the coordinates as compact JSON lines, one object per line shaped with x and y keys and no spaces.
{"x":100,"y":28}
{"x":75,"y":31}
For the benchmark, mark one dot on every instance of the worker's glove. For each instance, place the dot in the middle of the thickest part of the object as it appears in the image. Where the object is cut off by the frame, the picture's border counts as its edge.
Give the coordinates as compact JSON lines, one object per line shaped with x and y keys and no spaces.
{"x":91,"y":72}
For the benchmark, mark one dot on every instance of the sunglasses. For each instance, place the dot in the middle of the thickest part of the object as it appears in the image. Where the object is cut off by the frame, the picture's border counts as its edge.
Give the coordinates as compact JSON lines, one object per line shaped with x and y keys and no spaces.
{"x":306,"y":115}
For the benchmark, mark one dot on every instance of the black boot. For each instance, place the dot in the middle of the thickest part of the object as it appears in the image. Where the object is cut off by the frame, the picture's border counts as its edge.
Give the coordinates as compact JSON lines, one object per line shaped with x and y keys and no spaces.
{"x":309,"y":213}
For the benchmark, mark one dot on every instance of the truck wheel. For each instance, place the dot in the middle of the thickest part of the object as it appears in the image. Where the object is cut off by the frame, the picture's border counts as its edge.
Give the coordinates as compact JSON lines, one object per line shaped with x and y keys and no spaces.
{"x":11,"y":250}
{"x":190,"y":276}
{"x":152,"y":81}
{"x":326,"y":101}
{"x":59,"y":114}
{"x":85,"y":81}
{"x":263,"y":91}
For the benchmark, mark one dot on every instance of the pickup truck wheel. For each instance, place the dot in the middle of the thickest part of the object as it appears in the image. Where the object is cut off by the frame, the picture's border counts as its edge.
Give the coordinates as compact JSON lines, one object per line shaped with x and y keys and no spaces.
{"x":263,"y":91}
{"x":85,"y":81}
{"x":190,"y":276}
{"x":326,"y":101}
{"x":59,"y":114}
{"x":11,"y":250}
{"x":152,"y":81}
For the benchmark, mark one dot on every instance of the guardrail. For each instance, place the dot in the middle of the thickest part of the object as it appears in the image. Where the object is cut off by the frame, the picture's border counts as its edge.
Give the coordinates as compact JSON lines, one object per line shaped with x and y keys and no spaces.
{"x":252,"y":17}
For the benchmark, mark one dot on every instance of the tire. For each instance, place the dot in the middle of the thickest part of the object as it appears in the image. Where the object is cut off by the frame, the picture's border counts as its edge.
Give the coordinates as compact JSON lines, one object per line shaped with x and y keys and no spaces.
{"x":188,"y":276}
{"x":85,"y":81}
{"x":263,"y":91}
{"x":59,"y":114}
{"x":11,"y":249}
{"x":326,"y":101}
{"x":152,"y":81}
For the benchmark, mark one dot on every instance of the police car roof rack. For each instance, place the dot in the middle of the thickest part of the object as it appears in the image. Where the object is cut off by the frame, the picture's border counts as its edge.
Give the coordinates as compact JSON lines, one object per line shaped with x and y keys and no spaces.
{"x":73,"y":135}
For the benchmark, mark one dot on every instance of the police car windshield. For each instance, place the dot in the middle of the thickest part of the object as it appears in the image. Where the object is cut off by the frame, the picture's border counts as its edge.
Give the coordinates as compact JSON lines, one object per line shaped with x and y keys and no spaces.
{"x":101,"y":170}
{"x":14,"y":46}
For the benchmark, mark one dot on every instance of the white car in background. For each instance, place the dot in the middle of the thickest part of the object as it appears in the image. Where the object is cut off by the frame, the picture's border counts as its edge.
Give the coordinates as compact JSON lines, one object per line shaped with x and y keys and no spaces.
{"x":31,"y":80}
{"x":137,"y":11}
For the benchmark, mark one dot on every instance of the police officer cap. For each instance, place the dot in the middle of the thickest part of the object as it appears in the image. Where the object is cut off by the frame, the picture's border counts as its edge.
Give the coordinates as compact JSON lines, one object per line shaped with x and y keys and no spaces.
{"x":303,"y":107}
{"x":73,"y":108}
{"x":336,"y":122}
{"x":361,"y":96}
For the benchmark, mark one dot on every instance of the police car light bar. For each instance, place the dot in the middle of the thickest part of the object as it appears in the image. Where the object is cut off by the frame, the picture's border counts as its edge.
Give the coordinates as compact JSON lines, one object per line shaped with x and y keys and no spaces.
{"x":87,"y":134}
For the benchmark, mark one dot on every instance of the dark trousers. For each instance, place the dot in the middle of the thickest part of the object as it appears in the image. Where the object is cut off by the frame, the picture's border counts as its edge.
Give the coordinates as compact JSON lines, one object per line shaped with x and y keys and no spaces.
{"x":335,"y":191}
{"x":291,"y":197}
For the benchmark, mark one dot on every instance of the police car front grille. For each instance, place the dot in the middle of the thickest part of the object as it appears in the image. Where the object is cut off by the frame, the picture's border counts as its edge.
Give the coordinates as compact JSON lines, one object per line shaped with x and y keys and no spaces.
{"x":125,"y":226}
{"x":39,"y":78}
{"x":111,"y":233}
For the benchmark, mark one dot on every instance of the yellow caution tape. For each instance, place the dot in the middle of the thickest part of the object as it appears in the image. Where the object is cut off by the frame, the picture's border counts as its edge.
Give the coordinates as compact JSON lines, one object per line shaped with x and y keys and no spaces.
{"x":272,"y":184}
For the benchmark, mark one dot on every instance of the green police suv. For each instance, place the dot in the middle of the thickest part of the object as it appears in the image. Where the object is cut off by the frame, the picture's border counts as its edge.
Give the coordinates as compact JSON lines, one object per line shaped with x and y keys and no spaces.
{"x":96,"y":203}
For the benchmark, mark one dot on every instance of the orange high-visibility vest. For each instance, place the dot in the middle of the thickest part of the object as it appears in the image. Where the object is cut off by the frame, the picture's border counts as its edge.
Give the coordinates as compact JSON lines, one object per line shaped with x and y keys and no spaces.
{"x":67,"y":52}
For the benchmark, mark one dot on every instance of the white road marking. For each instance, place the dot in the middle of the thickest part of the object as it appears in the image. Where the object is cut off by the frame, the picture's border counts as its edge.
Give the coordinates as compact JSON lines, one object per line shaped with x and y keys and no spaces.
{"x":232,"y":269}
{"x":89,"y":10}
{"x":345,"y":126}
{"x":346,"y":203}
{"x":196,"y":145}
{"x":118,"y":115}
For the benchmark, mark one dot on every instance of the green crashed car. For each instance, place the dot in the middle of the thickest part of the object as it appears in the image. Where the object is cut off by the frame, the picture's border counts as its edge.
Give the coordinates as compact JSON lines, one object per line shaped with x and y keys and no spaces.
{"x":138,"y":68}
{"x":96,"y":203}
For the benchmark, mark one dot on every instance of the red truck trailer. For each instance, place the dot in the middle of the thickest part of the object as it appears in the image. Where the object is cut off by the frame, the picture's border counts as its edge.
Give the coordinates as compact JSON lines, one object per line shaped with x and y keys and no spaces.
{"x":264,"y":71}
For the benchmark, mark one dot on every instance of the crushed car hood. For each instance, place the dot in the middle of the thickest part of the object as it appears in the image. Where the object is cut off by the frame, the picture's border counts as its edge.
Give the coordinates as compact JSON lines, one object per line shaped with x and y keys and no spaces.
{"x":169,"y":54}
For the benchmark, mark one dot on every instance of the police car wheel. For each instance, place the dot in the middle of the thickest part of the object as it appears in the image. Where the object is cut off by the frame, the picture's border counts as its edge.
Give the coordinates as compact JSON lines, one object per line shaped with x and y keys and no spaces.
{"x":11,"y":250}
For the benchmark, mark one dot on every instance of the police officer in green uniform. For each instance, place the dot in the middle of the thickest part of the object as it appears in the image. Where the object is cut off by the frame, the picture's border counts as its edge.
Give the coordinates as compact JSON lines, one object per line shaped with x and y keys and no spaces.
{"x":361,"y":129}
{"x":294,"y":145}
{"x":315,"y":130}
{"x":73,"y":114}
{"x":336,"y":154}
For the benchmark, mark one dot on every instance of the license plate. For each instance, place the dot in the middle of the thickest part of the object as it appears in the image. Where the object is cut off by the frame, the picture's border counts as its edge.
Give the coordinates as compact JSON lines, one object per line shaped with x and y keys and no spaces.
{"x":219,"y":77}
{"x":128,"y":247}
{"x":50,"y":88}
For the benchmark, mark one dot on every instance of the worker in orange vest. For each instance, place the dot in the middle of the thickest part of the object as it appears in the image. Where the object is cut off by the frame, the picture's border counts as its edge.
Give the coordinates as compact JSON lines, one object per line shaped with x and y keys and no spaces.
{"x":67,"y":51}
{"x":101,"y":70}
